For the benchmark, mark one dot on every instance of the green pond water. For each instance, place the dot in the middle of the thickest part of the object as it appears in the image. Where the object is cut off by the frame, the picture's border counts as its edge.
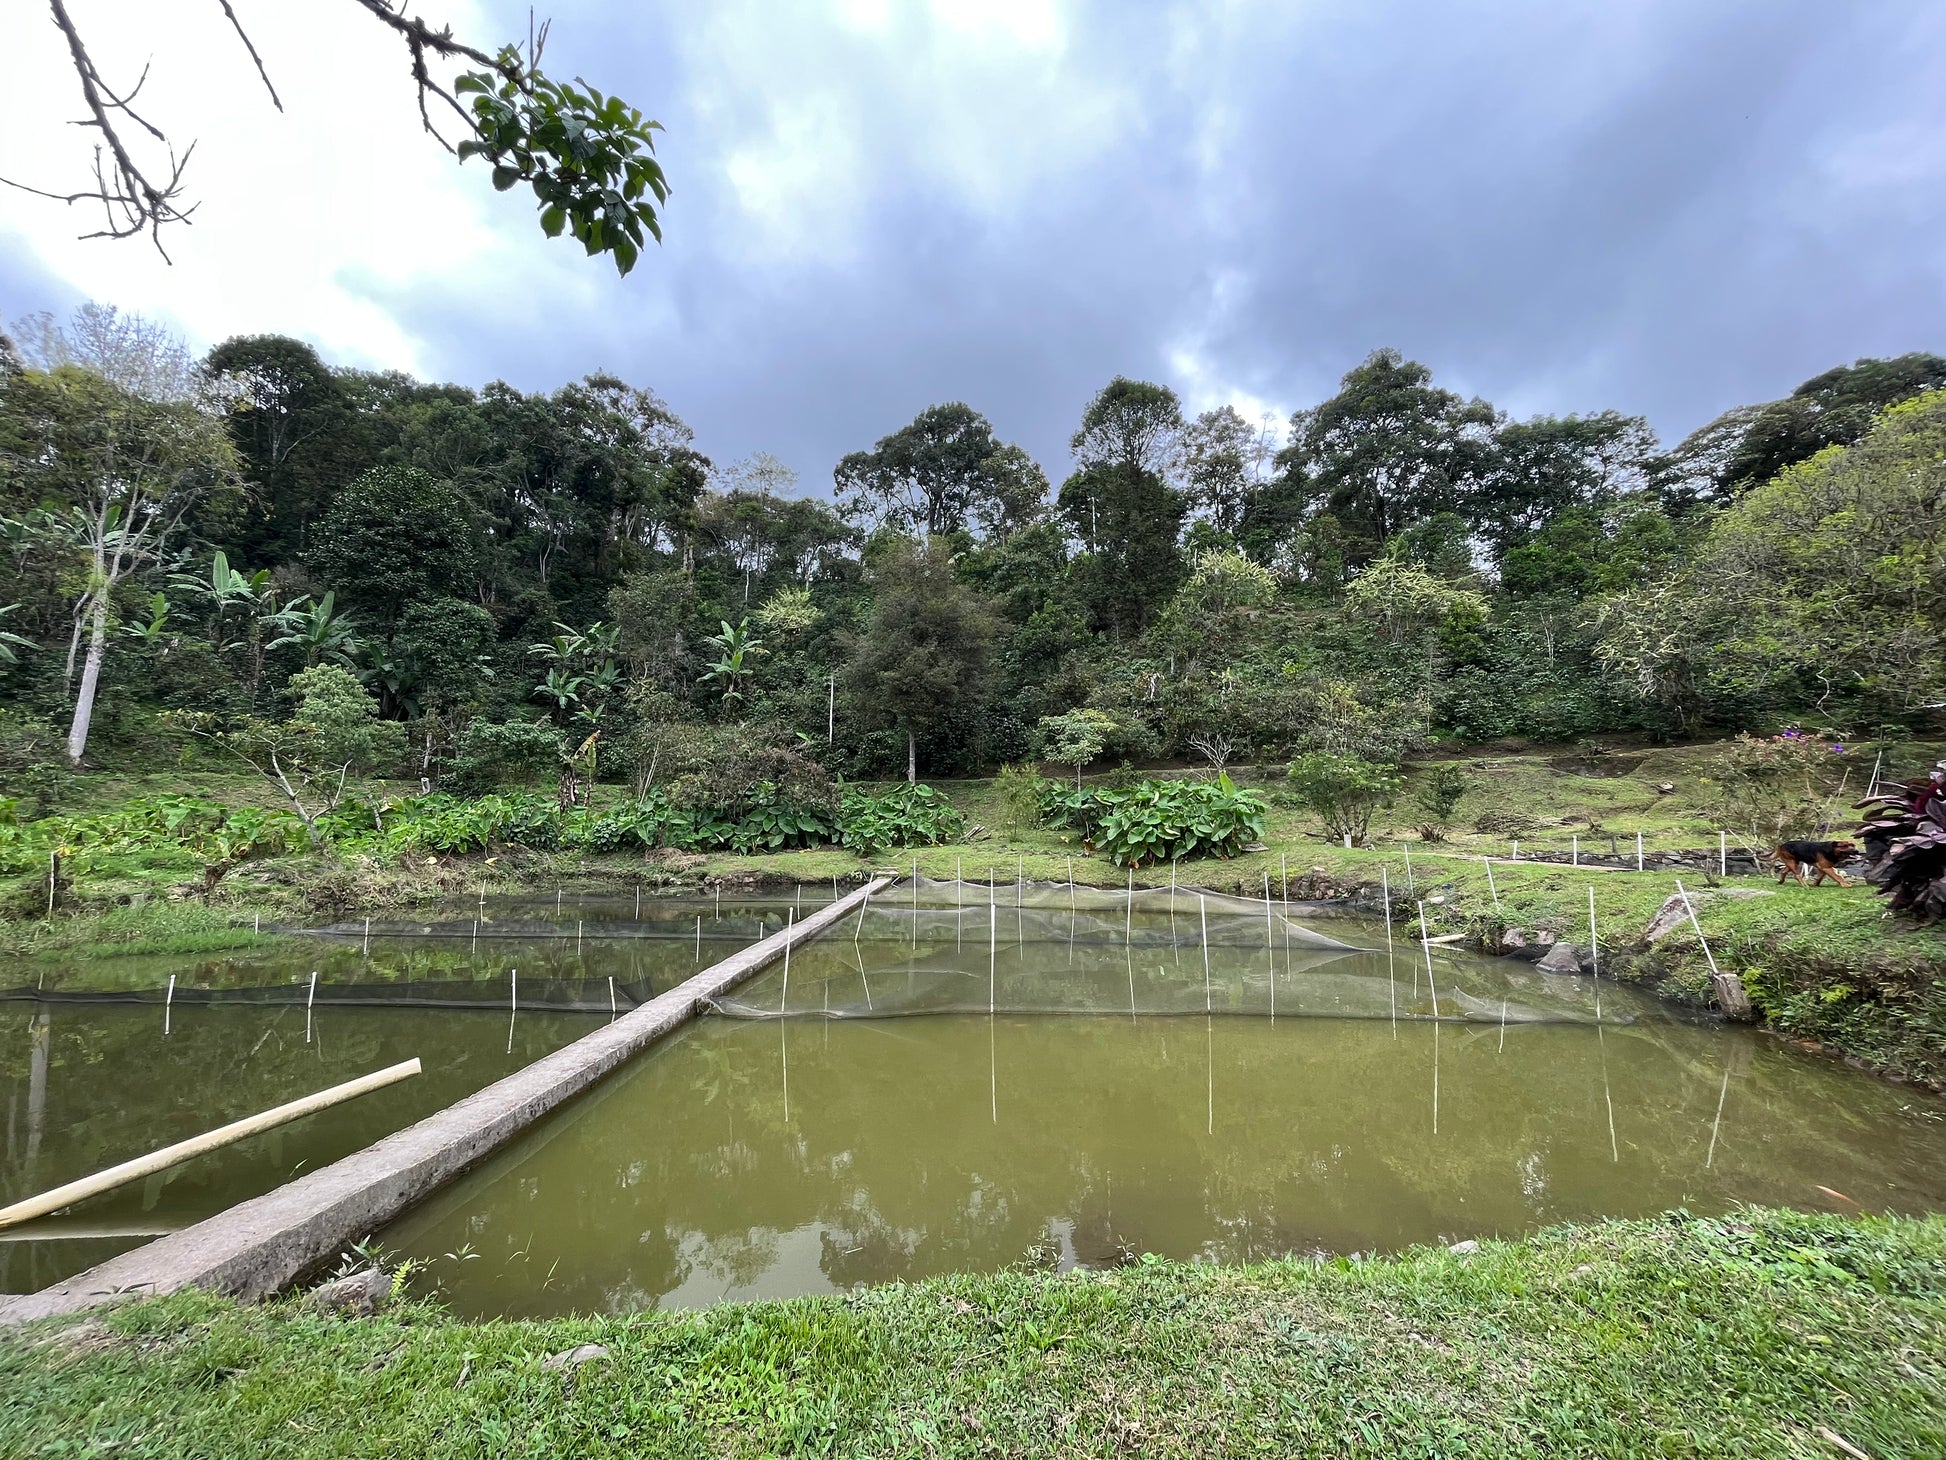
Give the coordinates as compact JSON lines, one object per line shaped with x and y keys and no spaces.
{"x":939,"y":1085}
{"x":86,"y":1082}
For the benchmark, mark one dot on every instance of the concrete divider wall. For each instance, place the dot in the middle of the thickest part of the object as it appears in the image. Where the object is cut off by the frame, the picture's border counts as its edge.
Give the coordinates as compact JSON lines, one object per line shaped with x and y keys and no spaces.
{"x":261,"y":1245}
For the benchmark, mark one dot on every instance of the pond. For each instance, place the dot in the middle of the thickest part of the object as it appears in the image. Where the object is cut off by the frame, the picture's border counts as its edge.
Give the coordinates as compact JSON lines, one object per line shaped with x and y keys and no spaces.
{"x":100,"y":1063}
{"x":959,"y":1078}
{"x":864,"y":1119}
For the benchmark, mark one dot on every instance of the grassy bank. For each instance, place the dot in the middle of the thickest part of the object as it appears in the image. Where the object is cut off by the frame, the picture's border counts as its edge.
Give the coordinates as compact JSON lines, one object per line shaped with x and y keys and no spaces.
{"x":1766,"y":1333}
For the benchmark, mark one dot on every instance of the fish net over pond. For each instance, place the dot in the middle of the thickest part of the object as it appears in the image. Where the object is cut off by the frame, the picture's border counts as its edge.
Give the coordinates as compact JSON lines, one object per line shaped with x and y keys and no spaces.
{"x":961,"y":947}
{"x":503,"y":992}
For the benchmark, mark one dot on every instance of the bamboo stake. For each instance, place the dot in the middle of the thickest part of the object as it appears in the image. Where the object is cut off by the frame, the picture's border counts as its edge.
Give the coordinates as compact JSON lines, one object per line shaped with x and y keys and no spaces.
{"x":168,"y":1003}
{"x":1490,"y":887}
{"x":1391,"y":965}
{"x":121,"y":1175}
{"x":1202,"y":907}
{"x":309,"y":1000}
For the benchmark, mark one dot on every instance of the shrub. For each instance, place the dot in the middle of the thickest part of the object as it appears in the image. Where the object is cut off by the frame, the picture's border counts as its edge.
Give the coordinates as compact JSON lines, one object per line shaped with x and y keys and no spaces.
{"x":1345,"y":790}
{"x":1774,"y":789}
{"x":1019,"y":789}
{"x":1440,"y":791}
{"x":1162,"y":821}
{"x":1157,"y":820}
{"x":489,"y":754}
{"x":905,"y":816}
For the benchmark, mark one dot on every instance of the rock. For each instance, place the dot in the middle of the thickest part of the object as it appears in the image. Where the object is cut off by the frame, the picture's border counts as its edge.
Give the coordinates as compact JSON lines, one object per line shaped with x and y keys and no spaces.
{"x":358,"y":1296}
{"x":574,"y":1358}
{"x":1464,"y":1249}
{"x":1512,"y":941}
{"x":1672,"y":914}
{"x":1665,"y":788}
{"x":1561,"y":958}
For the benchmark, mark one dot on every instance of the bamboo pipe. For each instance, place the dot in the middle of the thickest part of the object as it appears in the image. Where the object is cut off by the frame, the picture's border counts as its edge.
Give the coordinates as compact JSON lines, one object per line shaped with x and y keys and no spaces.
{"x":75,"y":1191}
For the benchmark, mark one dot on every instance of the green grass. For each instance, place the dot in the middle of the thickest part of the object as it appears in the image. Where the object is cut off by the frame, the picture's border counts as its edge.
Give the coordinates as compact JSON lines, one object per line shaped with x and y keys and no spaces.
{"x":1751,"y":1335}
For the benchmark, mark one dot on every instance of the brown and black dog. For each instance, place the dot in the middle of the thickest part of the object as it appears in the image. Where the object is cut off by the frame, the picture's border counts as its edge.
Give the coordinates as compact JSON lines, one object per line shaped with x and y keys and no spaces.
{"x":1795,"y":859}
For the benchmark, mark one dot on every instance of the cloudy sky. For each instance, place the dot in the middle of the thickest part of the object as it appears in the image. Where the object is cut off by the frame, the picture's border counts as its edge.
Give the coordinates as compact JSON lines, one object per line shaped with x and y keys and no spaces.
{"x":1663,"y":206}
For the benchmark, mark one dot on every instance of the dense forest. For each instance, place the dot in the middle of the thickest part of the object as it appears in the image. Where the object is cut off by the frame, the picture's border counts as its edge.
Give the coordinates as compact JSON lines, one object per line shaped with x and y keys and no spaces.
{"x":507,"y":574}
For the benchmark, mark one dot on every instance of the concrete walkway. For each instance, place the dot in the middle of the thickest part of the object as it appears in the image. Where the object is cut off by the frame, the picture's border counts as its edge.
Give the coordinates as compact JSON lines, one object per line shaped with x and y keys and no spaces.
{"x":259,"y":1246}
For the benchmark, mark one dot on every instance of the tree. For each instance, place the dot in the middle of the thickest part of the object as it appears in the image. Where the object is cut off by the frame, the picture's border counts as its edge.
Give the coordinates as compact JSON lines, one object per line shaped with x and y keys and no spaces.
{"x":129,"y":469}
{"x":1389,"y":449}
{"x":921,"y":662}
{"x":1345,"y":791}
{"x":334,"y":730}
{"x":1223,"y":459}
{"x":589,"y":158}
{"x":1120,"y":504}
{"x":396,"y":536}
{"x":1538,"y":469}
{"x":1076,"y":738}
{"x":945,"y":472}
{"x":1832,"y":409}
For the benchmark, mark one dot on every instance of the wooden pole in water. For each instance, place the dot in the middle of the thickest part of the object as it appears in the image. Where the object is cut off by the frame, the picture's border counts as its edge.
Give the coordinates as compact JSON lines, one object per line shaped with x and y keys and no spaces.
{"x":121,"y":1175}
{"x":1425,"y":942}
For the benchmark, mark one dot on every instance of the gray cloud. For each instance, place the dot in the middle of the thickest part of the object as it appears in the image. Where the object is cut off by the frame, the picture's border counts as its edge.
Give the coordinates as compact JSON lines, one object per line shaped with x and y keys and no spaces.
{"x":1661,"y":207}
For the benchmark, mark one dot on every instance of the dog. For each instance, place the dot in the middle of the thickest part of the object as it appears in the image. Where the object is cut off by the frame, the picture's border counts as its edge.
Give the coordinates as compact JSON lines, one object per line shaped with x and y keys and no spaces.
{"x":1796,"y":859}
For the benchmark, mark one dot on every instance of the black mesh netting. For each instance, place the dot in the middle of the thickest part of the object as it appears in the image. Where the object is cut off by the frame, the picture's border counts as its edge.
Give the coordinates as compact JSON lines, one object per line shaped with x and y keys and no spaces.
{"x":952,"y":947}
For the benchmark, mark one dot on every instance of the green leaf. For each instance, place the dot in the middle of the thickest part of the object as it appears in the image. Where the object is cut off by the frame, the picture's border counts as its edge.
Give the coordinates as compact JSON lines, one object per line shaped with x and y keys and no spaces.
{"x":553,"y":220}
{"x":504,"y":178}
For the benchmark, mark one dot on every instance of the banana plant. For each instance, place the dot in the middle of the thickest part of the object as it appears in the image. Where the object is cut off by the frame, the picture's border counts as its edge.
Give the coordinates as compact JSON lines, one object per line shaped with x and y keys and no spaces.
{"x":737,"y":652}
{"x":394,"y":680}
{"x":325,"y":635}
{"x":10,"y":642}
{"x":152,"y":632}
{"x":561,"y":688}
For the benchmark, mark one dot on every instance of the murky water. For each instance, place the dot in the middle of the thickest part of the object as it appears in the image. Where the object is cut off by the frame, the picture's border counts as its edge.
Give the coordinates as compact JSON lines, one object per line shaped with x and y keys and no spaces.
{"x":871,"y":1137}
{"x":938,"y":1085}
{"x":85,"y":1084}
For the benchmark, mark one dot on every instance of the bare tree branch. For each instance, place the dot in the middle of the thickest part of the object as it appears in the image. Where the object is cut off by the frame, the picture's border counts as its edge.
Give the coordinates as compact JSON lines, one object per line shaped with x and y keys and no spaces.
{"x":250,"y":46}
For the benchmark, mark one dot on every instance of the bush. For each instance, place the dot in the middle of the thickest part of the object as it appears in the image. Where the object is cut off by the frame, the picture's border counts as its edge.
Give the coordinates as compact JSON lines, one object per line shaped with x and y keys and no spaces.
{"x":1779,"y":788}
{"x":489,"y":754}
{"x":905,"y":816}
{"x":1345,"y":790}
{"x":1157,"y":820}
{"x":1440,"y":791}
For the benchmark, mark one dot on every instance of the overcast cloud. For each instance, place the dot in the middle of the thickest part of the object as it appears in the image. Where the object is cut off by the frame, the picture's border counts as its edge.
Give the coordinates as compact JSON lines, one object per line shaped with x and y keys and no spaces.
{"x":1667,"y":207}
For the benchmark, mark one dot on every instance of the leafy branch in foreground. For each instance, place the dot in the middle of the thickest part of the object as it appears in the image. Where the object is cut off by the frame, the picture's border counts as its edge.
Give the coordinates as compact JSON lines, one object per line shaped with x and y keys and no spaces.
{"x":589,"y":158}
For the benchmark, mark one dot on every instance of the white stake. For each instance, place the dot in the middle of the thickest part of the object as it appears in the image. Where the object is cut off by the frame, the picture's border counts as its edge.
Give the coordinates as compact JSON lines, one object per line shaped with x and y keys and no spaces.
{"x":1516,"y":856}
{"x":1594,"y":953}
{"x":368,"y":937}
{"x":257,"y":924}
{"x":790,"y":919}
{"x":577,"y":935}
{"x":1638,"y":851}
{"x":1690,"y":908}
{"x":1574,"y":858}
{"x":1722,"y":854}
{"x":1490,"y":887}
{"x":1391,"y":967}
{"x":1284,"y":880}
{"x":310,"y":999}
{"x":1202,"y":907}
{"x":1128,"y":918}
{"x":168,"y":1003}
{"x":699,"y":937}
{"x":612,"y":1009}
{"x":638,"y":901}
{"x":1270,"y":932}
{"x":1425,"y":941}
{"x":513,"y":990}
{"x":1409,"y":888}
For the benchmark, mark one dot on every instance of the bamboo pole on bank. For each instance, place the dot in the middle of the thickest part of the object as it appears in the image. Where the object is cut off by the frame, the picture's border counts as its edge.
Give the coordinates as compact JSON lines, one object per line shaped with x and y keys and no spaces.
{"x":74,"y":1191}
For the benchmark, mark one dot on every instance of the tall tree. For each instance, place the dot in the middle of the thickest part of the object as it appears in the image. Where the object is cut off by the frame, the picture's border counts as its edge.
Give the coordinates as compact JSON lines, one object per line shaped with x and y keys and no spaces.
{"x":1535,"y":470}
{"x":945,"y":472}
{"x":1120,"y":504}
{"x":921,"y":662}
{"x":397,"y":536}
{"x":1389,"y":449}
{"x":127,"y":470}
{"x":1751,"y":444}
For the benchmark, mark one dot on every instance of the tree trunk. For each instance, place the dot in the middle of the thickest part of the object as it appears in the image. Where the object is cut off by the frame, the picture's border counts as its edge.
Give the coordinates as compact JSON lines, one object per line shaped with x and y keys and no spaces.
{"x":911,"y":759}
{"x":84,"y":702}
